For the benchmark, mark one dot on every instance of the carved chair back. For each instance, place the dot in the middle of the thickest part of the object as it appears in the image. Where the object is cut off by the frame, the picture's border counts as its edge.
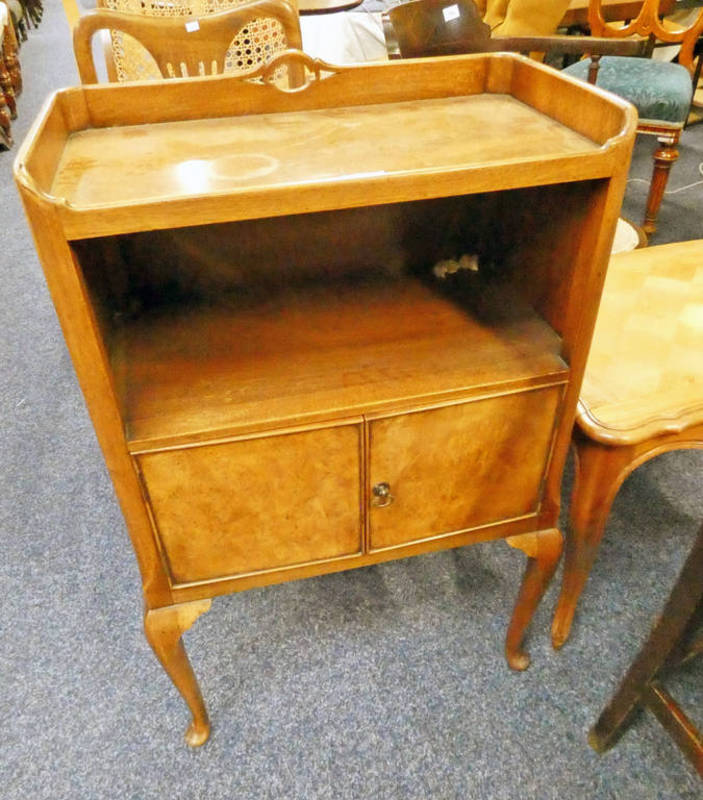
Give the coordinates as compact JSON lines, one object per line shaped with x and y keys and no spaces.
{"x":648,"y":23}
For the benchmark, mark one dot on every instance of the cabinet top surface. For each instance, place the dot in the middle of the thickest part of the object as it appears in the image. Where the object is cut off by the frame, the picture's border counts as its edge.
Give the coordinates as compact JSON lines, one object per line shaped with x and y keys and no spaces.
{"x":142,"y":163}
{"x":131,"y":157}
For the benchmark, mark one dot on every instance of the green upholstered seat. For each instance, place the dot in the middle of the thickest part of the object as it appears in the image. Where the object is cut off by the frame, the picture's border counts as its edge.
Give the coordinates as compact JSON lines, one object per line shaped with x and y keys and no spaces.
{"x":660,"y":91}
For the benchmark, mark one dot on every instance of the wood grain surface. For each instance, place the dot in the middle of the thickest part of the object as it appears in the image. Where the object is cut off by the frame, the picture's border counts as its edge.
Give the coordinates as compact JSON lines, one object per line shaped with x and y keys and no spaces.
{"x":448,"y":468}
{"x":326,"y":353}
{"x":645,"y":368}
{"x":253,"y":505}
{"x":112,"y":166}
{"x":548,"y":110}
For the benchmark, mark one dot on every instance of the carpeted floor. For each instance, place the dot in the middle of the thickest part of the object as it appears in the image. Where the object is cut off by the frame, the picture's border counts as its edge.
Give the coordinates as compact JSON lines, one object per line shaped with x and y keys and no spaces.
{"x":387,"y":682}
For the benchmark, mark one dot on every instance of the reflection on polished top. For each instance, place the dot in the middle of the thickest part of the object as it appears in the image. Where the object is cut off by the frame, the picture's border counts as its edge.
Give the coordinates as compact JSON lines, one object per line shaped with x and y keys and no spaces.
{"x":109,"y":166}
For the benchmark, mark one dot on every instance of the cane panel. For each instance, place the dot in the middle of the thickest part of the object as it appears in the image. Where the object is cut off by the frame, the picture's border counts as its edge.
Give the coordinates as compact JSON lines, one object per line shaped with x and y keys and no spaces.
{"x":254,"y":45}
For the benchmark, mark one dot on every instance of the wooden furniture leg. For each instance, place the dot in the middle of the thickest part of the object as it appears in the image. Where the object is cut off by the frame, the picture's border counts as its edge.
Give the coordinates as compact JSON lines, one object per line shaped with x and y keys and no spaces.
{"x":12,"y":65}
{"x":641,"y":687}
{"x":600,"y":471}
{"x":543,"y":550}
{"x":5,"y":129}
{"x":7,"y":88}
{"x":12,"y":62}
{"x":664,"y":157}
{"x":164,"y":628}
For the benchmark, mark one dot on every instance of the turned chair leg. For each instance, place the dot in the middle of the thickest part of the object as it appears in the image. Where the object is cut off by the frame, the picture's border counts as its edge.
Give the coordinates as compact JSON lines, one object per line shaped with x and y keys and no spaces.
{"x":664,"y":157}
{"x":543,"y":550}
{"x":164,"y":628}
{"x":600,"y":470}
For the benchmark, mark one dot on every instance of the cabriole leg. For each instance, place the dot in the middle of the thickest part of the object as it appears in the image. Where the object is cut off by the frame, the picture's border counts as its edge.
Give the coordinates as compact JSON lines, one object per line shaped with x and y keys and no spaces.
{"x":164,"y":628}
{"x":600,"y":471}
{"x":543,"y":550}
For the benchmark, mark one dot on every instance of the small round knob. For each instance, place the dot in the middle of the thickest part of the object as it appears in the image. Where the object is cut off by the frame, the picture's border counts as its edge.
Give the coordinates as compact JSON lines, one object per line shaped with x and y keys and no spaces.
{"x":382,"y":496}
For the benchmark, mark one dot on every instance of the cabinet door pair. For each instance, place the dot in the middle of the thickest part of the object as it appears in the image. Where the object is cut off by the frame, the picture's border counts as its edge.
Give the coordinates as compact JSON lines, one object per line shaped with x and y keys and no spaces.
{"x":278,"y":500}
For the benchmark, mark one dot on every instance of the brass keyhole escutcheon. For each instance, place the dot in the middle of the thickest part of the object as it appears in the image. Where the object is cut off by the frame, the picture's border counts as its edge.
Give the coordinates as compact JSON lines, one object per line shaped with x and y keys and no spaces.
{"x":382,"y":496}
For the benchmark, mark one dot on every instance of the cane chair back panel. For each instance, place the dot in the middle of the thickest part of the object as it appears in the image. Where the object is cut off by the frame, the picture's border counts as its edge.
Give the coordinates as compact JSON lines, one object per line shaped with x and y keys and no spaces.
{"x":252,"y":46}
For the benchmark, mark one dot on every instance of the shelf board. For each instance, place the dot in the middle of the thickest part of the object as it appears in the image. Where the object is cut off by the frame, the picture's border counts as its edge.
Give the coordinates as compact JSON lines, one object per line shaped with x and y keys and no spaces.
{"x":320,"y":353}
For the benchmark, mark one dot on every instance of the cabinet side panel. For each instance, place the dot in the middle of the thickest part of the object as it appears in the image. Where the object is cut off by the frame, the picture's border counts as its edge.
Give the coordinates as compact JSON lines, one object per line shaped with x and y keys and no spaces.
{"x":41,"y":151}
{"x":573,"y":103}
{"x":256,"y":504}
{"x":82,"y":333}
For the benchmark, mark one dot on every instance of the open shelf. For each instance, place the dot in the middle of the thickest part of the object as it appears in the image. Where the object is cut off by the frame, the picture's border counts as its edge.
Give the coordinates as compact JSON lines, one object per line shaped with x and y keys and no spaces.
{"x":321,"y":352}
{"x":221,"y":330}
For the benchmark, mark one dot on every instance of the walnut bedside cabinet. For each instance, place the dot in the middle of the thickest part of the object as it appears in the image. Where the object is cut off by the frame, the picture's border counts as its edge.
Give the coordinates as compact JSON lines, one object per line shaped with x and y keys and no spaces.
{"x":280,"y":383}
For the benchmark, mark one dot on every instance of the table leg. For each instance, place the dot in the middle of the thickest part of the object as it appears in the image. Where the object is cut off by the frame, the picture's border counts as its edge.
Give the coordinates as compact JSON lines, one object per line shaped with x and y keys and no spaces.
{"x":600,"y":471}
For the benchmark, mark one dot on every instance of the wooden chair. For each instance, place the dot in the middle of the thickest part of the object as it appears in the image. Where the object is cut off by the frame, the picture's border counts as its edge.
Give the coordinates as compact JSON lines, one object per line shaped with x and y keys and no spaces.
{"x":576,"y":16}
{"x":660,"y":91}
{"x":189,"y":47}
{"x":449,"y":27}
{"x":642,"y":393}
{"x":673,"y":640}
{"x":251,"y":46}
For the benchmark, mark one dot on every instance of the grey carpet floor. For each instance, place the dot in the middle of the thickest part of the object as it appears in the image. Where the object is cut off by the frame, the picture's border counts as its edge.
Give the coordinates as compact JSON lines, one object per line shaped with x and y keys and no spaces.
{"x":386,"y":682}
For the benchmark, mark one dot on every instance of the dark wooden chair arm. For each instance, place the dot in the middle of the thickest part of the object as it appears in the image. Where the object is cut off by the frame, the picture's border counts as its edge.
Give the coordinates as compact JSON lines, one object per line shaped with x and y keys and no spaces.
{"x":418,"y":29}
{"x":571,"y":45}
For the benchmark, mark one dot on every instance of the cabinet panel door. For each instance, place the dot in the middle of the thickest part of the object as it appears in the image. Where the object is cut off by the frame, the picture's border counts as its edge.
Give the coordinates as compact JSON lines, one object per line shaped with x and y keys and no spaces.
{"x":258,"y":504}
{"x":461,"y":466}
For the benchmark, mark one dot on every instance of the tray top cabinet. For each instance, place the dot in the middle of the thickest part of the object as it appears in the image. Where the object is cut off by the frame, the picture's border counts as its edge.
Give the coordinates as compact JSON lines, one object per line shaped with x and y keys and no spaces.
{"x":126,"y":158}
{"x":320,"y":329}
